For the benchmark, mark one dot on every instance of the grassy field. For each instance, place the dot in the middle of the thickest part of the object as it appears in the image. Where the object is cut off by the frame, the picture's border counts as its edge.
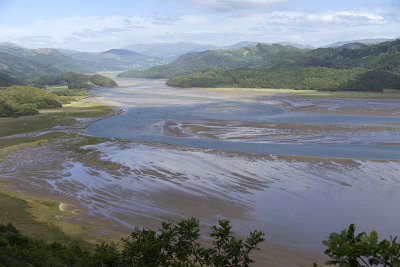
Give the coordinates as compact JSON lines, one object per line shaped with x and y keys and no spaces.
{"x":53,"y":117}
{"x":388,"y":93}
{"x":39,"y":217}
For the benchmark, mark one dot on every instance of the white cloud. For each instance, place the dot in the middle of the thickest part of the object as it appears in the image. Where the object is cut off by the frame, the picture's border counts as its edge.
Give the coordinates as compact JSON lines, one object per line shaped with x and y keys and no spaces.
{"x":225,"y":6}
{"x":100,"y":33}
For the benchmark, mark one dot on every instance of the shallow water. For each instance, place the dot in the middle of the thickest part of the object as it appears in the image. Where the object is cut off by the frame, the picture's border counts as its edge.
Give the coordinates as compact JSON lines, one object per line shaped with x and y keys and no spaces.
{"x":150,"y":104}
{"x":224,"y":155}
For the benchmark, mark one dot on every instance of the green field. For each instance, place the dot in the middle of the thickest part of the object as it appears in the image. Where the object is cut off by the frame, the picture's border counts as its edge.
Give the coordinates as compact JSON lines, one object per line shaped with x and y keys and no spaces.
{"x":38,"y":217}
{"x":49,"y":118}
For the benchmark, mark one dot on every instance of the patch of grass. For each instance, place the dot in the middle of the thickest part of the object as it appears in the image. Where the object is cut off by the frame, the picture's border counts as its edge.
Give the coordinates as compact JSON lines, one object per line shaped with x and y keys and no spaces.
{"x":10,"y":148}
{"x":49,"y":118}
{"x":36,"y":217}
{"x":56,"y":88}
{"x":388,"y":90}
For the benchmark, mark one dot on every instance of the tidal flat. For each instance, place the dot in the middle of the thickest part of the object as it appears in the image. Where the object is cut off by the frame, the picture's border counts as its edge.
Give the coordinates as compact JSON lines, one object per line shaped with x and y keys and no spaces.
{"x":255,"y":158}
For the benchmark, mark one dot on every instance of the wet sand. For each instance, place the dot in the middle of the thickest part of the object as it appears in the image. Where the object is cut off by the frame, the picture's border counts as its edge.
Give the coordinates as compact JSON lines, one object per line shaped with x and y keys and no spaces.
{"x":297,"y":201}
{"x":282,"y":132}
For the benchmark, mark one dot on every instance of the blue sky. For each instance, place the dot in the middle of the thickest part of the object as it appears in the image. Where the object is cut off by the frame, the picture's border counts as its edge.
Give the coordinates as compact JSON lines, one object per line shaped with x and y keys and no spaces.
{"x":89,"y":25}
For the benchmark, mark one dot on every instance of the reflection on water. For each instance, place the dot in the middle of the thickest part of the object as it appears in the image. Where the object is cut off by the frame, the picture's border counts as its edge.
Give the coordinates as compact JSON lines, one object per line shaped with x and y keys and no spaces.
{"x":191,"y":153}
{"x":238,"y":122}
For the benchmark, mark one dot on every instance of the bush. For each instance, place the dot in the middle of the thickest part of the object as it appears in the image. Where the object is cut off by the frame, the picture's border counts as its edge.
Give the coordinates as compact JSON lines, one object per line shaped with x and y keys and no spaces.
{"x":348,"y":249}
{"x":174,"y":245}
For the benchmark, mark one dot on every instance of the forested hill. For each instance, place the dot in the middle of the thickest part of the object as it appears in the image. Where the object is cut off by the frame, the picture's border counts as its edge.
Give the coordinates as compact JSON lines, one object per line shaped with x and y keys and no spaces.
{"x":114,"y":59}
{"x":246,"y":57}
{"x":7,"y":80}
{"x":22,"y":61}
{"x":307,"y":78}
{"x":383,"y":56}
{"x":249,"y":56}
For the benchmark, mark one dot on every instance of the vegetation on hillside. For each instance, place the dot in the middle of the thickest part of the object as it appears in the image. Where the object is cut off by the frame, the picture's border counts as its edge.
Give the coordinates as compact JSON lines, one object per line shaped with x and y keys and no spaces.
{"x":383,"y":56}
{"x":173,"y":245}
{"x":7,"y":80}
{"x":352,"y":67}
{"x":311,"y":78}
{"x":249,"y":56}
{"x":26,"y":100}
{"x":23,"y":61}
{"x":114,"y":59}
{"x":72,"y":80}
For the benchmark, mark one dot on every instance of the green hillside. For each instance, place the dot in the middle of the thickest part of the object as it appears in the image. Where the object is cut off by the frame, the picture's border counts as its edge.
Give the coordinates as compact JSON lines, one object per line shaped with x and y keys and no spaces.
{"x":23,"y":61}
{"x":25,"y":100}
{"x":72,"y":80}
{"x":114,"y":59}
{"x":169,"y":51}
{"x":7,"y":80}
{"x":307,"y":78}
{"x":249,"y":56}
{"x":383,"y":56}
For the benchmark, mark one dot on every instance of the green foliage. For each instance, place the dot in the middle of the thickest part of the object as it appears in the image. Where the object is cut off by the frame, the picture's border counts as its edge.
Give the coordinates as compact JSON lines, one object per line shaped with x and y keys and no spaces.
{"x":71,"y":92}
{"x":25,"y":100}
{"x":310,"y":78}
{"x":350,"y":250}
{"x":102,"y":81}
{"x":23,"y":61}
{"x":174,"y":245}
{"x":177,"y":245}
{"x":249,"y":56}
{"x":383,"y":56}
{"x":374,"y":80}
{"x":7,"y":80}
{"x":73,"y":80}
{"x":19,"y":250}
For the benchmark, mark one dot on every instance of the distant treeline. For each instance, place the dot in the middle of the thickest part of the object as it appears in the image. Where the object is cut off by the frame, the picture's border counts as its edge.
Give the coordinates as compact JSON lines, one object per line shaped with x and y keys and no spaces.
{"x":307,"y":78}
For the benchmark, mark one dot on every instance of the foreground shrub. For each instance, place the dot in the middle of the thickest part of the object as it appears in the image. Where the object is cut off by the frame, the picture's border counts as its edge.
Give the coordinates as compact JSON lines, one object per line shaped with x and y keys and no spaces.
{"x":348,"y":249}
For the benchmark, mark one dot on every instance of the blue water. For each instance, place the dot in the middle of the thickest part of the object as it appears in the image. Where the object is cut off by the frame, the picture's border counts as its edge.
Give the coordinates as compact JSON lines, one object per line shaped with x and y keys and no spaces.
{"x":141,"y":118}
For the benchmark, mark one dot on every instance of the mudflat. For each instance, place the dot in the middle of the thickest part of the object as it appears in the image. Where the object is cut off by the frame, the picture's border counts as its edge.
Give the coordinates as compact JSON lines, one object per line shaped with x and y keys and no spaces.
{"x":179,"y":153}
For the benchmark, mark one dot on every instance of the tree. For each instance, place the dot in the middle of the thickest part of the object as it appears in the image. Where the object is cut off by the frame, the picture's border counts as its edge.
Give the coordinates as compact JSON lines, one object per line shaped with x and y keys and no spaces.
{"x":350,"y":250}
{"x":177,"y":245}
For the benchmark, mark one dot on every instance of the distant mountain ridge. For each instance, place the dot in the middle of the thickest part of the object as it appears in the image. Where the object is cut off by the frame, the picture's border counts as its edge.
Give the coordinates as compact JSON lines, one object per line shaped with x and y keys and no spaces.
{"x":249,"y":56}
{"x":169,"y":51}
{"x":362,"y":41}
{"x":114,"y":60}
{"x":122,"y":52}
{"x":172,"y":51}
{"x":382,"y":56}
{"x":17,"y":60}
{"x":350,"y":67}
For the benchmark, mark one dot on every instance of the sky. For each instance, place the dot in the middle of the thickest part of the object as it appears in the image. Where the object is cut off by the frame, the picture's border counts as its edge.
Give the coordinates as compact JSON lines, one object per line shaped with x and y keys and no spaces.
{"x":98,"y":25}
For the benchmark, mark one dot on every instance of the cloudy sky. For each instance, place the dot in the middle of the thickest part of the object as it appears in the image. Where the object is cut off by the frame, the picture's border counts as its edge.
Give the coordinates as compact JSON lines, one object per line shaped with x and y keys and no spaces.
{"x":95,"y":25}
